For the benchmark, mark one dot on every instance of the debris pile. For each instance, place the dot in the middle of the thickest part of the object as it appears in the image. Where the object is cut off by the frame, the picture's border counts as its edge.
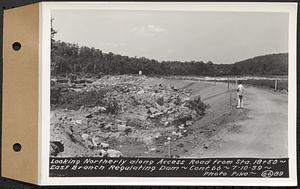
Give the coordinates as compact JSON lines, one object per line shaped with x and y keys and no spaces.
{"x":114,"y":113}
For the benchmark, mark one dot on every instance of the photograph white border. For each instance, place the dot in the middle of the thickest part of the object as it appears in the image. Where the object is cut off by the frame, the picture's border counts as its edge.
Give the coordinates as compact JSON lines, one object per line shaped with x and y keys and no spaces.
{"x":44,"y":98}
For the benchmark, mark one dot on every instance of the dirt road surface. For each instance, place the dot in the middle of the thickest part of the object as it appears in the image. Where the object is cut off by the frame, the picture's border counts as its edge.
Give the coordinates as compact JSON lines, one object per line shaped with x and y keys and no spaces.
{"x":258,"y":130}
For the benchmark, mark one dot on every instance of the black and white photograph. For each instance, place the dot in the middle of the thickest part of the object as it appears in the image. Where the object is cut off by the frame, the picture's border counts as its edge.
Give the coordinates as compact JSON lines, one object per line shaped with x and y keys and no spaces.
{"x":174,"y":85}
{"x":169,"y":84}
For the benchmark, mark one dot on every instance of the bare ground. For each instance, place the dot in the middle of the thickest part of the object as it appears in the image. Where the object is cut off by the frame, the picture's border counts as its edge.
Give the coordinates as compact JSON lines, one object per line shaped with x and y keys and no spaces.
{"x":258,"y":130}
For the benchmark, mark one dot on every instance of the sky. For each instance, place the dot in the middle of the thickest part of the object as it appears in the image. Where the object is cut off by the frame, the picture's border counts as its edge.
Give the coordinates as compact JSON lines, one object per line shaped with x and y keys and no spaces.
{"x":220,"y":37}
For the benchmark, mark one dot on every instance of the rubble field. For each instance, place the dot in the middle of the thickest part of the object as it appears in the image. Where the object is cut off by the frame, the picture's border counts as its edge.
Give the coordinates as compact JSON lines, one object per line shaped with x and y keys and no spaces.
{"x":120,"y":115}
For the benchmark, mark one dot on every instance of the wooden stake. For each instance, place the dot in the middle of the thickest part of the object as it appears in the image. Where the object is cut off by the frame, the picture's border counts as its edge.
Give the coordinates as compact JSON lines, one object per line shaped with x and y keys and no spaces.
{"x":230,"y":100}
{"x":228,"y":83}
{"x":169,"y":141}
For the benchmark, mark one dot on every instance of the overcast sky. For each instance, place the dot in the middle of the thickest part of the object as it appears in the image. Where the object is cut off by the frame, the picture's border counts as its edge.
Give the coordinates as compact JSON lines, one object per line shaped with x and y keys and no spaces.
{"x":220,"y":37}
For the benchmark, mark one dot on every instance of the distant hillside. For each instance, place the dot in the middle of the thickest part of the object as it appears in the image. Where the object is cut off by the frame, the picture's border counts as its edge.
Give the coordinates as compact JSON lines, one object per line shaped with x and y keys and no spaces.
{"x":69,"y":58}
{"x":272,"y":64}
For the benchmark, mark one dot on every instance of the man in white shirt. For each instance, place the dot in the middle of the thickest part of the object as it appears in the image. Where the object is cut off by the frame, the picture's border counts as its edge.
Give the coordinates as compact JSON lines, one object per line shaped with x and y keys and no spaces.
{"x":240,"y":91}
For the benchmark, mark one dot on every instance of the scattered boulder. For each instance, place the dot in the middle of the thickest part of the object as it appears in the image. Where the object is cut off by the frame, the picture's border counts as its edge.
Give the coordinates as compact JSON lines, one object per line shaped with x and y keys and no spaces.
{"x":101,"y":109}
{"x":101,"y":153}
{"x":157,"y":135}
{"x":81,"y":109}
{"x":56,"y":147}
{"x":79,"y":122}
{"x":128,"y":130}
{"x":104,"y":145}
{"x":141,"y":92}
{"x":114,"y":153}
{"x":121,"y":128}
{"x":115,"y":135}
{"x":96,"y":141}
{"x":85,"y":136}
{"x":188,"y":123}
{"x":152,"y":149}
{"x":178,"y":134}
{"x":108,"y":126}
{"x":181,"y":127}
{"x":91,"y":115}
{"x":88,"y":144}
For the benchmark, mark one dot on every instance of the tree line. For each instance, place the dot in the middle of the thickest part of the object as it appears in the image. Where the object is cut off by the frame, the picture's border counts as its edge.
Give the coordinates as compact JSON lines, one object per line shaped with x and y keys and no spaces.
{"x":69,"y":58}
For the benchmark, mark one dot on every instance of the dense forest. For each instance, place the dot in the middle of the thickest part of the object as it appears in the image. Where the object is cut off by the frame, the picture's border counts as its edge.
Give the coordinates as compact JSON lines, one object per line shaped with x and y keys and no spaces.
{"x":71,"y":58}
{"x":272,"y":64}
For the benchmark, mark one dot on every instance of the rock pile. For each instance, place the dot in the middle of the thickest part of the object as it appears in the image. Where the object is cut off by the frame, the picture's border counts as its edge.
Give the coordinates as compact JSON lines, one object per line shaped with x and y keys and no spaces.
{"x":130,"y":112}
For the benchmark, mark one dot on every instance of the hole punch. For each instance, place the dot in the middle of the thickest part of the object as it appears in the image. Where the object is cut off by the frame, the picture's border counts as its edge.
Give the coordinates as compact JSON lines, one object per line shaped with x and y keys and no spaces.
{"x":16,"y":46}
{"x":17,"y":147}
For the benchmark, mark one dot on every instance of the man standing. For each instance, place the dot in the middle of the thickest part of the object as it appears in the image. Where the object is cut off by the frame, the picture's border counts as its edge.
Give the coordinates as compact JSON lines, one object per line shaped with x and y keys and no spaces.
{"x":240,"y":91}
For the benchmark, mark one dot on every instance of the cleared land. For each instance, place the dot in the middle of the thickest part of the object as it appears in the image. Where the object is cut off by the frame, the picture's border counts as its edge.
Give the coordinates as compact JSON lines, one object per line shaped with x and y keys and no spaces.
{"x":258,"y":130}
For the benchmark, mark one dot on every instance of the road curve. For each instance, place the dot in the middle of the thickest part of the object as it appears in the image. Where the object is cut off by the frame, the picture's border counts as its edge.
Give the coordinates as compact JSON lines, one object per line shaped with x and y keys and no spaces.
{"x":262,"y":133}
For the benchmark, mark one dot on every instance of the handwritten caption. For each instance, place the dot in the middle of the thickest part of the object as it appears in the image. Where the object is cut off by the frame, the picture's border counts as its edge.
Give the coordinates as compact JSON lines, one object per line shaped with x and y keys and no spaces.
{"x":164,"y":167}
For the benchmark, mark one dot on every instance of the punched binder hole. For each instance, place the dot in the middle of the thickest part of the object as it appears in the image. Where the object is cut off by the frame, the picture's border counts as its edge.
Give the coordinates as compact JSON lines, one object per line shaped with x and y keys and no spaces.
{"x":17,"y":147}
{"x":16,"y":46}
